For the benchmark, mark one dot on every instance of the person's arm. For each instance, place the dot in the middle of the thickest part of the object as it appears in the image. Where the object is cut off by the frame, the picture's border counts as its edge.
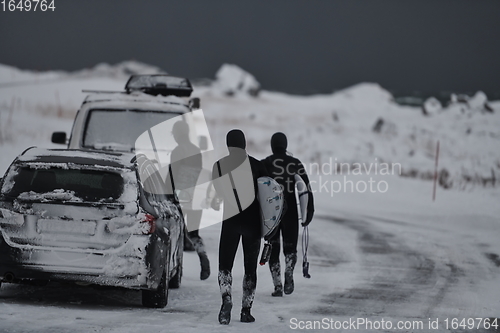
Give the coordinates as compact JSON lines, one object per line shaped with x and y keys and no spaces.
{"x":215,"y":175}
{"x":265,"y":162}
{"x":218,"y":198}
{"x":263,"y":170}
{"x":310,"y":203}
{"x":212,"y":199}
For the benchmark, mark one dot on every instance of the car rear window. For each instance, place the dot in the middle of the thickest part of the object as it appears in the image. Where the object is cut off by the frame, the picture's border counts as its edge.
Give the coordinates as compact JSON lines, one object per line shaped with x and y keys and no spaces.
{"x":87,"y":185}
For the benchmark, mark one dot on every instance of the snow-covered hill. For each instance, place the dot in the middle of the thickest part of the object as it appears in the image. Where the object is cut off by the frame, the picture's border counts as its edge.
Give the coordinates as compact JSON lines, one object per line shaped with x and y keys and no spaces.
{"x":393,"y":256}
{"x":342,"y":128}
{"x":13,"y":76}
{"x":323,"y":129}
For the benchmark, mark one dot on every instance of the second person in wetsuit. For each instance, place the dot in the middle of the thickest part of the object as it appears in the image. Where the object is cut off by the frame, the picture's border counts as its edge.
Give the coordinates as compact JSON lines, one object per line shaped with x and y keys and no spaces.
{"x":283,"y":168}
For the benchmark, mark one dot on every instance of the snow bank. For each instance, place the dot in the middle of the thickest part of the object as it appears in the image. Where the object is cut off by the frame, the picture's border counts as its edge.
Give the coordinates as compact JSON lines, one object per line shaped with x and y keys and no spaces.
{"x":57,"y":93}
{"x":231,"y":79}
{"x":366,"y":92}
{"x":431,"y":106}
{"x":122,"y":70}
{"x":463,"y":104}
{"x":478,"y":100}
{"x":11,"y":76}
{"x":340,"y":127}
{"x":362,"y":124}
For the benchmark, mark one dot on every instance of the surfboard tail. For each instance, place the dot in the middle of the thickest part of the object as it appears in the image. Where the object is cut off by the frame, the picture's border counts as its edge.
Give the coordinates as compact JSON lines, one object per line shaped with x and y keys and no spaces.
{"x":270,"y":196}
{"x":266,"y":254}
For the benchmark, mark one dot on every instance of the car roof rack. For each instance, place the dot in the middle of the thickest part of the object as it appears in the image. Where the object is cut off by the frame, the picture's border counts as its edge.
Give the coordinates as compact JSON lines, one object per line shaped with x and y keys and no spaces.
{"x":102,"y":91}
{"x":159,"y":84}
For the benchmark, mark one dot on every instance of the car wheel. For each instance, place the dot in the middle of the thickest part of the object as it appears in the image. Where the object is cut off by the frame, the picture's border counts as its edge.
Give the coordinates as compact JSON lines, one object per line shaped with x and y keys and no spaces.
{"x":175,"y":281}
{"x":158,"y":298}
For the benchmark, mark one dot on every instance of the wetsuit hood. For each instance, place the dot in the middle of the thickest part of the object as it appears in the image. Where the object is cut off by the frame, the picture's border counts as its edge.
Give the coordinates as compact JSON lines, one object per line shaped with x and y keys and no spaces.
{"x":279,"y":143}
{"x":236,"y":139}
{"x":180,"y":131}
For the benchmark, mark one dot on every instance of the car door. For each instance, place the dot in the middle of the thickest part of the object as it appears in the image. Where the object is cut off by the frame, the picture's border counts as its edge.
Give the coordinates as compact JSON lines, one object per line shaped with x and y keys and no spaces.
{"x":169,"y":223}
{"x":175,"y":223}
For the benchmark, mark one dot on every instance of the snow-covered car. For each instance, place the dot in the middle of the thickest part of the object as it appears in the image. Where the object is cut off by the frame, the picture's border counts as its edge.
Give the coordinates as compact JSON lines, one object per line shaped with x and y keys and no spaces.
{"x":113,"y":121}
{"x":86,"y":217}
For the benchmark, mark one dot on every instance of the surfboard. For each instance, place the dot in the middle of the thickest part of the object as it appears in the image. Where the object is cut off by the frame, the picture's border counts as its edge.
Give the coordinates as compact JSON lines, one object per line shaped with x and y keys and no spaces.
{"x":302,"y":196}
{"x":270,"y":196}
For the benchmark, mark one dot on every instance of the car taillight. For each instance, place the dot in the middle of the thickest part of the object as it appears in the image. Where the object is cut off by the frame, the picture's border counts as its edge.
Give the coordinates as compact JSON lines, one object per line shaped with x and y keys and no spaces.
{"x":151,"y":224}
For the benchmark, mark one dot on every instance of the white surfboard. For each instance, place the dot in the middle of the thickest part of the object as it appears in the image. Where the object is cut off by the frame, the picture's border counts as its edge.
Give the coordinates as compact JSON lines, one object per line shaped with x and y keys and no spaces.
{"x":270,"y":195}
{"x":302,"y":197}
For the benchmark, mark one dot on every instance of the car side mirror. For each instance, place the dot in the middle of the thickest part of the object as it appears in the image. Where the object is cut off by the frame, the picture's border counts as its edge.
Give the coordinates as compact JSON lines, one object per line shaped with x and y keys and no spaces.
{"x":59,"y":138}
{"x":194,"y":103}
{"x":203,"y":142}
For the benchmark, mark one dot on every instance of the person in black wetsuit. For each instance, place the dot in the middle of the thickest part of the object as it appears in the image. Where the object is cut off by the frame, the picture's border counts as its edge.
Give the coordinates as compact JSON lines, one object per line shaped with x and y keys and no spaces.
{"x":186,"y":163}
{"x":241,"y":220}
{"x":283,"y":167}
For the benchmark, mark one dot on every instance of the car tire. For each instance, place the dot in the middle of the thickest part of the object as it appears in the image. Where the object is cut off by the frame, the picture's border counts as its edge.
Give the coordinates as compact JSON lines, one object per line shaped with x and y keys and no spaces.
{"x":175,"y":281}
{"x":158,"y":298}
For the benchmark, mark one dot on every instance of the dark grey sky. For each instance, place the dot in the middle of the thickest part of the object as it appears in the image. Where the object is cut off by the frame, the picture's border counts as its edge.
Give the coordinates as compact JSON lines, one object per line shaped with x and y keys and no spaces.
{"x":289,"y":45}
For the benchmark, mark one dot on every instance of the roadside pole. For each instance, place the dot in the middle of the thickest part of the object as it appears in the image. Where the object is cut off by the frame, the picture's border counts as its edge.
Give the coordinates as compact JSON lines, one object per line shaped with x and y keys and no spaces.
{"x":435,"y":172}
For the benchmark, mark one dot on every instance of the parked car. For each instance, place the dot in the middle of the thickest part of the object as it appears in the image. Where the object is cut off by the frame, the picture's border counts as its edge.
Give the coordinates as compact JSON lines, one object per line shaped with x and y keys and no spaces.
{"x":113,"y":121}
{"x":86,"y":217}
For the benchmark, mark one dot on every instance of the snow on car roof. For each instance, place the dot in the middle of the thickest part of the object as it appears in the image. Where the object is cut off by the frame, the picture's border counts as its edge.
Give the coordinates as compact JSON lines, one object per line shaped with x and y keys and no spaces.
{"x":83,"y":157}
{"x":138,"y":98}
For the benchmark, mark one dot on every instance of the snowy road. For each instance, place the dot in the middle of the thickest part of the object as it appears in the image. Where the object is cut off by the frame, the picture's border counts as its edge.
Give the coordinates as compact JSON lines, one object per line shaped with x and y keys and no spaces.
{"x":396,"y":256}
{"x":408,"y":277}
{"x":373,"y":268}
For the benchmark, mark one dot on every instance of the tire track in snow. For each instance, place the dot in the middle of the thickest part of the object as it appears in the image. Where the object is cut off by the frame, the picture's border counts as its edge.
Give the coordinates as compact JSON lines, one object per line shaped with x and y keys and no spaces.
{"x":394,"y":278}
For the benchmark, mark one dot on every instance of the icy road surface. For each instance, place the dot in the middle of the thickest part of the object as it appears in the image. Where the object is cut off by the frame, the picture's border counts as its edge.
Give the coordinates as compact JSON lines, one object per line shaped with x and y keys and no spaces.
{"x":396,"y":257}
{"x":393,"y":256}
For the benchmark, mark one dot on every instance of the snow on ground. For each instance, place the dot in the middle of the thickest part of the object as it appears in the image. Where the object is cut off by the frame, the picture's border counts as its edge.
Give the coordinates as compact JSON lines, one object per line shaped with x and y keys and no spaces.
{"x":231,"y":80}
{"x":394,"y":254}
{"x":398,"y":257}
